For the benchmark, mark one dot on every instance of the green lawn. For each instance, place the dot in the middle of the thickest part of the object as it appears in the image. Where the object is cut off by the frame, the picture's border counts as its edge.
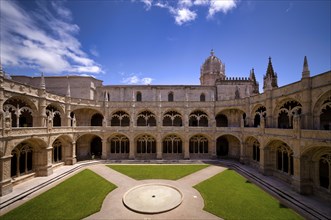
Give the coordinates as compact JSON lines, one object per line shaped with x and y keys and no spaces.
{"x":169,"y":172}
{"x":230,"y":196}
{"x":75,"y":198}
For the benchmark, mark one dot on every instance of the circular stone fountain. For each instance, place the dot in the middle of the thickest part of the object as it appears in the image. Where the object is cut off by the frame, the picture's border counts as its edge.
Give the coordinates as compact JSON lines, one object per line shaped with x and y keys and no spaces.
{"x":152,"y":198}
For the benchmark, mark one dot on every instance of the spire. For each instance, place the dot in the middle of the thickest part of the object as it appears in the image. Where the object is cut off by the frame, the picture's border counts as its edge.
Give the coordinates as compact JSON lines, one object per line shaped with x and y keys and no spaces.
{"x":305,"y":70}
{"x":42,"y":82}
{"x":212,"y":52}
{"x":68,"y":88}
{"x":252,"y":75}
{"x":270,"y":69}
{"x":255,"y":83}
{"x":270,"y":79}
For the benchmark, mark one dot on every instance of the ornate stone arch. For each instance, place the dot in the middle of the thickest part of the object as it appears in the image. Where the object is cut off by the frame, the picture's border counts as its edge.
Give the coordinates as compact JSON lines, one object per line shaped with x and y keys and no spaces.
{"x":322,"y":105}
{"x":198,"y":118}
{"x":172,"y":118}
{"x":120,"y":118}
{"x":284,"y":112}
{"x":146,"y":118}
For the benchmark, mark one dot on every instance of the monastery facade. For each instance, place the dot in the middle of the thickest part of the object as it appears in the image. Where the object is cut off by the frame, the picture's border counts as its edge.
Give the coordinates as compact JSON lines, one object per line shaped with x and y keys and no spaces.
{"x":48,"y":122}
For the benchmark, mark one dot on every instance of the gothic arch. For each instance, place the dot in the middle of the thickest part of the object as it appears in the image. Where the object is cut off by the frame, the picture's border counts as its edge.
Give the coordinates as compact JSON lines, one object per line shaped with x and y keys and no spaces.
{"x":83,"y":116}
{"x":172,"y":118}
{"x":28,"y":156}
{"x":284,"y":112}
{"x":199,"y":146}
{"x":56,"y":112}
{"x":198,"y":118}
{"x":172,"y":146}
{"x":146,"y":118}
{"x":120,"y":118}
{"x":145,"y":146}
{"x":65,"y":149}
{"x":119,"y":146}
{"x":21,"y":110}
{"x":322,"y":112}
{"x":252,"y":150}
{"x":88,"y":146}
{"x":228,"y":145}
{"x":280,"y":157}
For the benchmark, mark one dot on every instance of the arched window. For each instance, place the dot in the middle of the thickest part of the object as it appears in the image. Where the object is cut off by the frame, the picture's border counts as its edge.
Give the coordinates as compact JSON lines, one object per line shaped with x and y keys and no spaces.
{"x":55,"y":113}
{"x":198,"y":119}
{"x":120,"y":118}
{"x":146,"y":118}
{"x":96,"y":120}
{"x":202,"y":97}
{"x":170,"y":97}
{"x":325,"y":171}
{"x":57,"y":151}
{"x":21,"y":162}
{"x":256,"y":151}
{"x":172,"y":118}
{"x":146,"y":145}
{"x":325,"y":116}
{"x":286,"y":113}
{"x":198,"y":145}
{"x":259,"y":113}
{"x":285,"y":159}
{"x":221,"y":120}
{"x":138,"y":97}
{"x":119,"y":144}
{"x":20,"y":112}
{"x":172,"y":145}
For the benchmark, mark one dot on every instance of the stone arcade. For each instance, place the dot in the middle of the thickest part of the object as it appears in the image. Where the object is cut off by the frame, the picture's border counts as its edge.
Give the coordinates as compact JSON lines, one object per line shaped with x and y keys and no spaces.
{"x":47,"y":122}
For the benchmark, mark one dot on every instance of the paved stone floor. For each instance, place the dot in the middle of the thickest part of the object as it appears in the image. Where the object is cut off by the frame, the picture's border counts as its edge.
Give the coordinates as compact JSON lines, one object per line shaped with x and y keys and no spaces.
{"x":113,"y":207}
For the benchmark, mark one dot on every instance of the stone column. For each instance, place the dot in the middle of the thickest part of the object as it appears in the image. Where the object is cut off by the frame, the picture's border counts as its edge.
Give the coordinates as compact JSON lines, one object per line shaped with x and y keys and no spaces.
{"x":186,"y":149}
{"x":158,"y":148}
{"x":212,"y":148}
{"x":104,"y":149}
{"x":264,"y":168}
{"x":44,"y":162}
{"x":300,"y":184}
{"x":242,"y":152}
{"x":132,"y":149}
{"x":6,"y":186}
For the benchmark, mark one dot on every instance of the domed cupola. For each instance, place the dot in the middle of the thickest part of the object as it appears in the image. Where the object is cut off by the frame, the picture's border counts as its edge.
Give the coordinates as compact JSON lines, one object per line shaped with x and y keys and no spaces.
{"x":211,"y":70}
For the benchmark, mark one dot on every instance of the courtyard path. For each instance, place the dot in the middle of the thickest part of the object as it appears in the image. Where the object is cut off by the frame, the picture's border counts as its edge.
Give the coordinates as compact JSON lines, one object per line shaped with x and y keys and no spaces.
{"x":190,"y":208}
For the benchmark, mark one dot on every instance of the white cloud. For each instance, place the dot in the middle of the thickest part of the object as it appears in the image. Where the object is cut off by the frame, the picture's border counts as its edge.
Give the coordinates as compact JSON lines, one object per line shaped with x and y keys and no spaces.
{"x":43,"y":39}
{"x":148,"y":3}
{"x":183,"y":15}
{"x":183,"y":12}
{"x":221,"y":6}
{"x":135,"y":79}
{"x":94,"y":51}
{"x":185,"y":3}
{"x":201,"y":2}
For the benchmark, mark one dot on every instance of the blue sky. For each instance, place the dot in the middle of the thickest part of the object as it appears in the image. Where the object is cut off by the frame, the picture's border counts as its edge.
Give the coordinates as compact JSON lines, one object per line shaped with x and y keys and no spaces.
{"x":164,"y":42}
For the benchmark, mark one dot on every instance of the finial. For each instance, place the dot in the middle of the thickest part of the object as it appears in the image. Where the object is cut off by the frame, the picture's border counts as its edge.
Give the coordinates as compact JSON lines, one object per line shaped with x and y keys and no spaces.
{"x":42,"y":82}
{"x":305,"y":70}
{"x":212,"y":52}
